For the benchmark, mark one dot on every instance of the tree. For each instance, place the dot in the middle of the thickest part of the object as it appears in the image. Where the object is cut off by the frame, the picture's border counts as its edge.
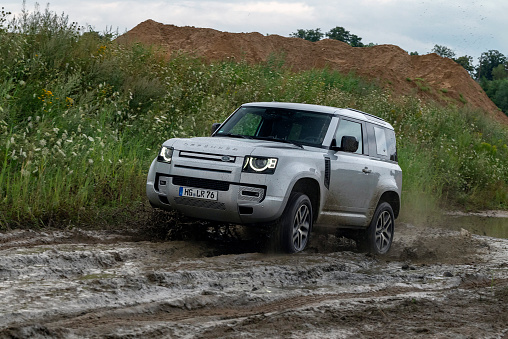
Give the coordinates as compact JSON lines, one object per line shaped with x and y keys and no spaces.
{"x":356,"y":41}
{"x":466,"y":61}
{"x":308,"y":34}
{"x":488,"y":61}
{"x":497,"y":90}
{"x":414,"y":53}
{"x":443,"y":51}
{"x":499,"y":72}
{"x":341,"y":34}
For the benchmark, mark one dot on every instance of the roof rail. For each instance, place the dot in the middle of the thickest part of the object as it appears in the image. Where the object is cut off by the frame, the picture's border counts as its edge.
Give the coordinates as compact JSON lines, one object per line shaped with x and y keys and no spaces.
{"x":370,"y":115}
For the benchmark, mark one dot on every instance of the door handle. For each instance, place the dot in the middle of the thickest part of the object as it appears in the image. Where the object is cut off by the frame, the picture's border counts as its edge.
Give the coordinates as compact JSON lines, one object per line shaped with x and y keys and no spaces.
{"x":366,"y":170}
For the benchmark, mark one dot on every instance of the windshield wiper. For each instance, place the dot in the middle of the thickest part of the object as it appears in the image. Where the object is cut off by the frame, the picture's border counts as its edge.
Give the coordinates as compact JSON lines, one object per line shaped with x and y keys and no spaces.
{"x":232,"y":135}
{"x":279,"y":140}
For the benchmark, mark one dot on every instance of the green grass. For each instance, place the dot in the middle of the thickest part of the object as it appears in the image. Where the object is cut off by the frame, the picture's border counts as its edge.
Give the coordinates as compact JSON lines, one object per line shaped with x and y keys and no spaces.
{"x":81,"y":119}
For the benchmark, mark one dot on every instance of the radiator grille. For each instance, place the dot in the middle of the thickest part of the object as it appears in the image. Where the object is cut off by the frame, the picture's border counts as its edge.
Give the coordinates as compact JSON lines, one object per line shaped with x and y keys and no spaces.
{"x":201,"y":183}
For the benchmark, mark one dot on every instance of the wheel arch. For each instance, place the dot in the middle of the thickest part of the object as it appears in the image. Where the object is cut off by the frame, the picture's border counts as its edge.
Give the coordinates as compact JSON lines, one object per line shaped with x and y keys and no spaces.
{"x":310,"y":187}
{"x":393,"y":199}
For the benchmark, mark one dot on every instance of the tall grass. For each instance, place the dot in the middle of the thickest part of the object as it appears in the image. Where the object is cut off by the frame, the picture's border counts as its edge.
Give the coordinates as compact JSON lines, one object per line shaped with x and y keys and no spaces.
{"x":82,"y":117}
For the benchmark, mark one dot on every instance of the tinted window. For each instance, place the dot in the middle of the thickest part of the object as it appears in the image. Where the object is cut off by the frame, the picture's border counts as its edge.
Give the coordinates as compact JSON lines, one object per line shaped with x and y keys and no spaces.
{"x":385,"y":143}
{"x":350,"y":128}
{"x":392,"y":145}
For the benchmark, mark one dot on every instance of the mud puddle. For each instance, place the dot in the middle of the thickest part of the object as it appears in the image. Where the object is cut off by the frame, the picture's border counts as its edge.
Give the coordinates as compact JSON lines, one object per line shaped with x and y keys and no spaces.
{"x":492,"y":223}
{"x":74,"y":284}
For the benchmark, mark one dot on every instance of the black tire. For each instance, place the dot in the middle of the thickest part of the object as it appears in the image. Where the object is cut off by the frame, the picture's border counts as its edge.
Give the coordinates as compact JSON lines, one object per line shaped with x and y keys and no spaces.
{"x":294,"y":226}
{"x":378,"y":237}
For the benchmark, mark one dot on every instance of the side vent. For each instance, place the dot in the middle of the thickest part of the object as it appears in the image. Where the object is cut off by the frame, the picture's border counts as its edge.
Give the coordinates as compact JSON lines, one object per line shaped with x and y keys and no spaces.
{"x":327,"y":172}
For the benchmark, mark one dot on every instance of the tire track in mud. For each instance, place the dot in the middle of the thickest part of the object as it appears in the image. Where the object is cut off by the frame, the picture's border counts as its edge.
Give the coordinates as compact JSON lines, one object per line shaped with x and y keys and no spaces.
{"x":164,"y":312}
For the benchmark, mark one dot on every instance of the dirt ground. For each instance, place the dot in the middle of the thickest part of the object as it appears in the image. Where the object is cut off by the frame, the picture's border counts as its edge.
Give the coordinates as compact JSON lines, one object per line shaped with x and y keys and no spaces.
{"x":217,"y":282}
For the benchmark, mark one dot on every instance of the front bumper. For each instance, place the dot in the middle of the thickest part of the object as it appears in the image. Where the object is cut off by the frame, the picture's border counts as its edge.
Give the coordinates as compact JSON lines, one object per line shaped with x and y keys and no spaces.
{"x":237,"y":201}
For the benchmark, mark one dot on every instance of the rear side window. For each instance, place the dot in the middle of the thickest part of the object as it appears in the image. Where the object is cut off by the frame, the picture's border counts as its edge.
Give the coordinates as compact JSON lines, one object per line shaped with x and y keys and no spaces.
{"x":385,"y":143}
{"x":391,"y":144}
{"x":381,"y":147}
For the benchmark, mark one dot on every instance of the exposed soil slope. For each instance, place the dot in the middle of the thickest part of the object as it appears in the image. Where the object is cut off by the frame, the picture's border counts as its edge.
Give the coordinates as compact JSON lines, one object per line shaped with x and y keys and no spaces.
{"x":429,"y":76}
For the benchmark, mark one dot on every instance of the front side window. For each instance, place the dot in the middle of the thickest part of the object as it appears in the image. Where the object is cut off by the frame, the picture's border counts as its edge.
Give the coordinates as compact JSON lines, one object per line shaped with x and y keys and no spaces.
{"x":350,"y":128}
{"x":277,"y":124}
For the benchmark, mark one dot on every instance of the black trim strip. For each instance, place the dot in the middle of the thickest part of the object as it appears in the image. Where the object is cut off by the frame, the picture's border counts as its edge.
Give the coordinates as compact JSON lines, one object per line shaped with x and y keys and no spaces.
{"x":204,"y":169}
{"x":203,"y":157}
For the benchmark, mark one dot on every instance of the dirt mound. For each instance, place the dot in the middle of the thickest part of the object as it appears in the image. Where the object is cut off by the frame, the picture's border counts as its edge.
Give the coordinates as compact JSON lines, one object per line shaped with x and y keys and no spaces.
{"x":429,"y":76}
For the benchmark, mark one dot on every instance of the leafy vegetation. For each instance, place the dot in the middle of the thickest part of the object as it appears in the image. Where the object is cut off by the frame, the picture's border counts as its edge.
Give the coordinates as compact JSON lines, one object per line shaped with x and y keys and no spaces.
{"x":337,"y":33}
{"x":82,"y":117}
{"x":308,"y":34}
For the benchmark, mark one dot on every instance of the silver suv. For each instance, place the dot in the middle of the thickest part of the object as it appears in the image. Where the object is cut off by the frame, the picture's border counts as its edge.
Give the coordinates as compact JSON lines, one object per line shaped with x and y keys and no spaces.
{"x":290,"y":166}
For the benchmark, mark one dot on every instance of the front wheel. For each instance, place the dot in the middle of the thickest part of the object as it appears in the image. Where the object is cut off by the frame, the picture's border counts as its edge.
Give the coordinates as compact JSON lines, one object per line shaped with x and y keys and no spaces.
{"x":378,"y":237}
{"x":295,"y":224}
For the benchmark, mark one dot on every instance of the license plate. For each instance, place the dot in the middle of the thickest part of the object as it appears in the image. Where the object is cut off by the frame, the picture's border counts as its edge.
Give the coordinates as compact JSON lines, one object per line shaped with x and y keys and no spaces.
{"x":198,"y":193}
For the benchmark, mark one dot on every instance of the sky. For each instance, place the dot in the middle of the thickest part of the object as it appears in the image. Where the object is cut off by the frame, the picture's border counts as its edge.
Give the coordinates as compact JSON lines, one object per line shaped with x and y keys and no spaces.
{"x":468,"y":27}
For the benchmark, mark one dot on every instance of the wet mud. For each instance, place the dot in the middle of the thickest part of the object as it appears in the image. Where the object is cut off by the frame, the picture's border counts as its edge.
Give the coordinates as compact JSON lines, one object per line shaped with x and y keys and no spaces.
{"x":206,"y":282}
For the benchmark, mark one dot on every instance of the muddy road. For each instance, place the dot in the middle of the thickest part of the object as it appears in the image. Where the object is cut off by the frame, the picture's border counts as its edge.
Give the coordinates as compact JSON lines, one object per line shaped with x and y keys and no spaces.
{"x":82,"y":283}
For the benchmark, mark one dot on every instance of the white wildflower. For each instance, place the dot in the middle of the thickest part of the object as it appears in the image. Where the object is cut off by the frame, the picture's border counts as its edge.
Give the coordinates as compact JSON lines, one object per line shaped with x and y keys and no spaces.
{"x":90,"y":161}
{"x":42,"y":142}
{"x":91,"y":139}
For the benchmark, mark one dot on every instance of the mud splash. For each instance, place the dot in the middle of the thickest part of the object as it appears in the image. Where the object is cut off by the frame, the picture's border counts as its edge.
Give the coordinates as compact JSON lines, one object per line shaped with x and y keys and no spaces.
{"x":58,"y":284}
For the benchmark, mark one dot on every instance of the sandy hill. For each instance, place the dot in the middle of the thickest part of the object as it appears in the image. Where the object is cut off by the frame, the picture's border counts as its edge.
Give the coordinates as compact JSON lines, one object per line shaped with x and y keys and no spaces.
{"x":429,"y":76}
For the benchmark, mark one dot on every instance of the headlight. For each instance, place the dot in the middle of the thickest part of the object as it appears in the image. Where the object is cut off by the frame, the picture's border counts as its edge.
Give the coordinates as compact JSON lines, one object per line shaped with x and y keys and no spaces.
{"x":259,"y":165}
{"x":165,"y":154}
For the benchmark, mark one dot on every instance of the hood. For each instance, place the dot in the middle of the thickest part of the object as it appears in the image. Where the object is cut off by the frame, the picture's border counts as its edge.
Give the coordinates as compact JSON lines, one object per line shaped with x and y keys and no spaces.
{"x":225,"y":145}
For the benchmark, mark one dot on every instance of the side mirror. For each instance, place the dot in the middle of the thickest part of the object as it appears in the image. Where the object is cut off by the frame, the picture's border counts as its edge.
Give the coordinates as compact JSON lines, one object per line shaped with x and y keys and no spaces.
{"x":215,"y":126}
{"x":349,"y":144}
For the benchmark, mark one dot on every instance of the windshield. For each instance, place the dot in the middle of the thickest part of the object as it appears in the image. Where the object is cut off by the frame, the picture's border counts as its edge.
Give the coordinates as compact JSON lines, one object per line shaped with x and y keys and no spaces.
{"x":277,"y":124}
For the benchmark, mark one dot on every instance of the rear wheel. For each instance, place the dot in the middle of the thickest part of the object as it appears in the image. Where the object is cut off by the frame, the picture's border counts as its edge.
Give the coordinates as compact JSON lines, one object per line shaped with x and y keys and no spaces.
{"x":378,"y":237}
{"x":295,"y":224}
